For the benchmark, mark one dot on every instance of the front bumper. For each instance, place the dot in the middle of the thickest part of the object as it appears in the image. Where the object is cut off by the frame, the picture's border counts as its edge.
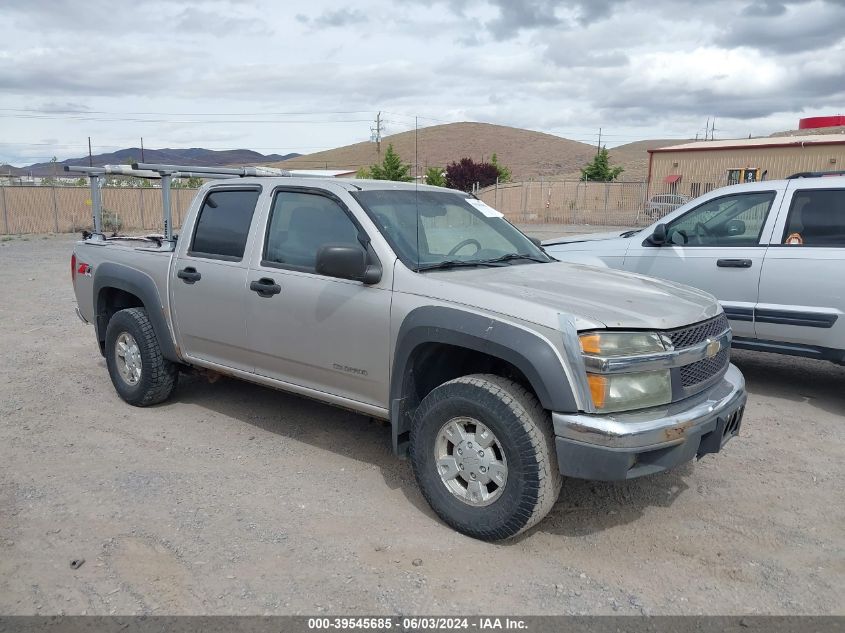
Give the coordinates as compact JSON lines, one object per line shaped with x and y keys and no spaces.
{"x":625,"y":445}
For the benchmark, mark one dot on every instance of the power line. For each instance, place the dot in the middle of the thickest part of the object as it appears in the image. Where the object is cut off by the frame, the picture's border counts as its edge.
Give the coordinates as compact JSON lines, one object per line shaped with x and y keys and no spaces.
{"x":70,"y":111}
{"x":134,"y":120}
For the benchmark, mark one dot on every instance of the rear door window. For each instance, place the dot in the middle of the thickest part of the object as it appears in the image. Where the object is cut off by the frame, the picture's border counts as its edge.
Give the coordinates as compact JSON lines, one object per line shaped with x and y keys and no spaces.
{"x":816,"y":218}
{"x":223,"y":224}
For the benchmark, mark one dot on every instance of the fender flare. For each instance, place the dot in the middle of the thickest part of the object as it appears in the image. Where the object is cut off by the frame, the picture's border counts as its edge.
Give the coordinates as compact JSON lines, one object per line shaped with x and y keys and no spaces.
{"x":525,"y":350}
{"x":111,"y":275}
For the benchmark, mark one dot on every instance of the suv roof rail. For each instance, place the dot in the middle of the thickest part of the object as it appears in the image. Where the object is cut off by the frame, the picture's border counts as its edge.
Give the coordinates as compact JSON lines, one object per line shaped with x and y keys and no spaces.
{"x":816,"y":174}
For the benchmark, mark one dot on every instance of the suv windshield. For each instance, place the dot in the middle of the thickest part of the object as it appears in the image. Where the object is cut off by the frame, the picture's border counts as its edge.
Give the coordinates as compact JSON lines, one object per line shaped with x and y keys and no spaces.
{"x":440,"y":229}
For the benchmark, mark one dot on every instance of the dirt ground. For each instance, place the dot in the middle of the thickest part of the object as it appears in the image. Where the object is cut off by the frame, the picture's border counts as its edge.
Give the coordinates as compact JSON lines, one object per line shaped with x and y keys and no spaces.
{"x":234,"y":498}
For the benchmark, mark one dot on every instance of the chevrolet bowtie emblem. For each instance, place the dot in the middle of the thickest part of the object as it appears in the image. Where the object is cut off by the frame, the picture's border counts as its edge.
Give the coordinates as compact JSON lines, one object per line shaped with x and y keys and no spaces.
{"x":713,"y":348}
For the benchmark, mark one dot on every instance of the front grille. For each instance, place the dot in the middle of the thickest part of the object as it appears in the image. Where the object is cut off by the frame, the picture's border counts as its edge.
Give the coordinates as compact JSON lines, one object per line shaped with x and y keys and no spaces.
{"x":695,"y":334}
{"x":702,"y":370}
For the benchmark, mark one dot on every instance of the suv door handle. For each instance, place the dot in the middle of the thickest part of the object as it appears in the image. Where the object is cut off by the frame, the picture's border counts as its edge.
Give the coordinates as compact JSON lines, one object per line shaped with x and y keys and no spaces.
{"x":733,"y":263}
{"x":189,"y":275}
{"x":265,"y":287}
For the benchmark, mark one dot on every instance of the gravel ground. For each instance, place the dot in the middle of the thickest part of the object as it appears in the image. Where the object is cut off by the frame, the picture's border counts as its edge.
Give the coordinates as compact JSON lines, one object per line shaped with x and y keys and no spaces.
{"x":233,"y":498}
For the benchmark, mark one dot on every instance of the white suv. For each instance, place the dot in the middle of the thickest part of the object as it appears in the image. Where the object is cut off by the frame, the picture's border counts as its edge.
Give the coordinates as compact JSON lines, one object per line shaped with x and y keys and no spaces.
{"x":772,"y":252}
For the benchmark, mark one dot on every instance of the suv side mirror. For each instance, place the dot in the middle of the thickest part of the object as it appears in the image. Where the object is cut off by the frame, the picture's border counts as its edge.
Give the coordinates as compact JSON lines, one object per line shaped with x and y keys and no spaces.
{"x":658,"y":236}
{"x":536,"y":241}
{"x":346,"y":261}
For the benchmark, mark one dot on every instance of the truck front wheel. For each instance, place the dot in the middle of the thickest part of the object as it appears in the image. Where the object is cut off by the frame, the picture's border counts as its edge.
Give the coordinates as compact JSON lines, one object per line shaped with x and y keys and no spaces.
{"x":139,"y":373}
{"x":482,"y":450}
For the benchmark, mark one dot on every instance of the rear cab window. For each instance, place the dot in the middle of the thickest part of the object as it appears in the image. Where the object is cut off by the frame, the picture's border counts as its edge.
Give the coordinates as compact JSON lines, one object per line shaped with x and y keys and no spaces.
{"x":223,"y":224}
{"x":816,"y":218}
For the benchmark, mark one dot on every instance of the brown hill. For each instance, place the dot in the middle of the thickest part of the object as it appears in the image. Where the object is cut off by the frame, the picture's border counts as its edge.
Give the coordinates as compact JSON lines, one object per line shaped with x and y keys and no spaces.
{"x":526,"y":153}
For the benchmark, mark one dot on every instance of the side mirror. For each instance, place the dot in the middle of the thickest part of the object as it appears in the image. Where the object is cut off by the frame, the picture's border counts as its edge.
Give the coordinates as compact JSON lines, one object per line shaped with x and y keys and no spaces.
{"x":346,"y":261}
{"x":536,"y":241}
{"x":658,"y":237}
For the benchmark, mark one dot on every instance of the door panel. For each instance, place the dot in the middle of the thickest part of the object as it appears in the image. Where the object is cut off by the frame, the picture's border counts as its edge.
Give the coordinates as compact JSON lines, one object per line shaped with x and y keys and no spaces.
{"x":208,"y":280}
{"x":319,"y":332}
{"x":326,"y":334}
{"x":210,"y":313}
{"x":718,"y":247}
{"x":802,"y":288}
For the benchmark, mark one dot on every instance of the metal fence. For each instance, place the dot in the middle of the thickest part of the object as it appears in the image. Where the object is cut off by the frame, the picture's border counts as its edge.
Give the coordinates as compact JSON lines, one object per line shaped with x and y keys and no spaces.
{"x":66,"y":209}
{"x":570,"y":202}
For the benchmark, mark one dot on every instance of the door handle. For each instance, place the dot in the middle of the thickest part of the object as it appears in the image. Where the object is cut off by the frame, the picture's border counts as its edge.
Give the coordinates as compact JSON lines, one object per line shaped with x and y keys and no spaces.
{"x":265,"y":287}
{"x":733,"y":263}
{"x":189,"y":275}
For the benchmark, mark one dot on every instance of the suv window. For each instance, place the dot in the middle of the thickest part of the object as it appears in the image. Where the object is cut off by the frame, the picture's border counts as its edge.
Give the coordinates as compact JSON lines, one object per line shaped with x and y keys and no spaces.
{"x":816,"y":218}
{"x":300,"y":223}
{"x":223,"y":224}
{"x":734,"y":220}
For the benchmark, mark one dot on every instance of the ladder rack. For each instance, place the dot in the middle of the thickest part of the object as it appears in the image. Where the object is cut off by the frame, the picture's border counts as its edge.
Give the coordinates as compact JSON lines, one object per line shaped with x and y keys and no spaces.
{"x":164,"y":173}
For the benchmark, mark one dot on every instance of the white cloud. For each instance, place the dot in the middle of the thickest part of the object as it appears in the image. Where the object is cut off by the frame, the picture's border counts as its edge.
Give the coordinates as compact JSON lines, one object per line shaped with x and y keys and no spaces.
{"x":637,"y":70}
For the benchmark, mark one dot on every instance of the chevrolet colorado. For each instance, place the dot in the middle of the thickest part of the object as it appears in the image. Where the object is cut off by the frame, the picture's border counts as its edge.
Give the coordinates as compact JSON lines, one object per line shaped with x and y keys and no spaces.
{"x":499,"y":368}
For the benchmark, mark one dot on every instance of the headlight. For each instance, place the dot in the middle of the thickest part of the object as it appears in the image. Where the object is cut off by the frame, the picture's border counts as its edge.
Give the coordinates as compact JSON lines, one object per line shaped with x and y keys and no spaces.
{"x":627,"y":391}
{"x":621,"y":343}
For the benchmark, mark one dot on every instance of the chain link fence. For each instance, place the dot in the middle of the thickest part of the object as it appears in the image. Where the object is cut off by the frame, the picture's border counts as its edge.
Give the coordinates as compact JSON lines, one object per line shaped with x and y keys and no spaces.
{"x":67,"y":209}
{"x":570,"y":202}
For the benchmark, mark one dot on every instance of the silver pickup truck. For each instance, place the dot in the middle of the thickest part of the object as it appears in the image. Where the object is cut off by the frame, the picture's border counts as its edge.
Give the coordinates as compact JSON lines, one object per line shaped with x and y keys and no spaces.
{"x":499,"y":368}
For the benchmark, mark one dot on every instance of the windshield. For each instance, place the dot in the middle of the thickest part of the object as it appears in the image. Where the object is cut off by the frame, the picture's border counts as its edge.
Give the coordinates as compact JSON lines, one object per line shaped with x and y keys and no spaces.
{"x":439,"y":229}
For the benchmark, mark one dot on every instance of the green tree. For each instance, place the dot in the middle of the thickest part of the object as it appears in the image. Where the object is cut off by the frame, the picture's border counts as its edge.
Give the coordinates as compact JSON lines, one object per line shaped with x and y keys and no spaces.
{"x":363,"y":172}
{"x":51,"y":180}
{"x":504,"y":172}
{"x":599,"y":169}
{"x":435,"y":176}
{"x":391,"y":168}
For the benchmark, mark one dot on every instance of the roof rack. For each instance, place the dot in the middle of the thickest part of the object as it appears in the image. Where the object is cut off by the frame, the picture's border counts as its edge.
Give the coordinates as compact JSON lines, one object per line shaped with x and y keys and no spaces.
{"x":165,"y":173}
{"x":815,"y":174}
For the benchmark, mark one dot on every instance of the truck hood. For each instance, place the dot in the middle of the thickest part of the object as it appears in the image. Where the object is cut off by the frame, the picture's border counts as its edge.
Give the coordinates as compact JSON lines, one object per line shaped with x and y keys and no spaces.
{"x":595,"y":297}
{"x":586,"y":237}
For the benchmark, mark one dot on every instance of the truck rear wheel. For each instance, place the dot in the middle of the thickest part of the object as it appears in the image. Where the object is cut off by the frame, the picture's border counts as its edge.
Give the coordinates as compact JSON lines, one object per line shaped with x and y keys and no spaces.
{"x":139,"y":373}
{"x":482,"y":450}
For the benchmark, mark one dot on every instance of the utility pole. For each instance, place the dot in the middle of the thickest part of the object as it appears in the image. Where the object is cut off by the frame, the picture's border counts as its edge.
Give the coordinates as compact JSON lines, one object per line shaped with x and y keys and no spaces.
{"x":142,"y":150}
{"x":598,"y":147}
{"x":90,"y":160}
{"x":376,"y":134}
{"x":416,"y":151}
{"x":713,"y":129}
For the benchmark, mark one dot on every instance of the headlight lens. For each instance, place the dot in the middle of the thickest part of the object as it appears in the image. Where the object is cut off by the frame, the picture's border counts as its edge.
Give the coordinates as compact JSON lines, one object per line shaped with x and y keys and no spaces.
{"x":621,"y":343}
{"x":625,"y":392}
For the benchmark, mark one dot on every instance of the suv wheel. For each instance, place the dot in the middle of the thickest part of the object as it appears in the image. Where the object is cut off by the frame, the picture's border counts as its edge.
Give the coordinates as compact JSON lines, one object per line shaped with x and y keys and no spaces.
{"x":139,"y":373}
{"x":483,"y":454}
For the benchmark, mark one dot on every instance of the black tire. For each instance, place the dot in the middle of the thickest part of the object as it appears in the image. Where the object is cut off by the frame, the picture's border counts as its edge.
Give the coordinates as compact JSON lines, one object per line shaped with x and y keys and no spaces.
{"x":158,"y":375}
{"x":524,"y":432}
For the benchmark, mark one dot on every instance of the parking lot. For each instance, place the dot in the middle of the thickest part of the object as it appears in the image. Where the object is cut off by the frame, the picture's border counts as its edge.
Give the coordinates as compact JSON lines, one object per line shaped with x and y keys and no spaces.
{"x":233,"y":498}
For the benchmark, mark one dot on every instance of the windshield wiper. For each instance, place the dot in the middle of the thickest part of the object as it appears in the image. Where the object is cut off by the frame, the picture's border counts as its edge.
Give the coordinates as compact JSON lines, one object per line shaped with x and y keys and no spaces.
{"x":512,"y":256}
{"x":460,"y":263}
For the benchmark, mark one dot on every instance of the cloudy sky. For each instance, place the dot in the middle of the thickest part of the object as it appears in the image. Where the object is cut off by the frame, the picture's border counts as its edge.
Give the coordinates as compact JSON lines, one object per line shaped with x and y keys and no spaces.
{"x":304,"y":76}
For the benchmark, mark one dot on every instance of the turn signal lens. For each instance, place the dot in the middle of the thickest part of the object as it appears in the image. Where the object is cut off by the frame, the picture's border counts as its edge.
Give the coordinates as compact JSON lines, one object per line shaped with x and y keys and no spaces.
{"x":591,"y":344}
{"x":621,"y":343}
{"x":598,"y":389}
